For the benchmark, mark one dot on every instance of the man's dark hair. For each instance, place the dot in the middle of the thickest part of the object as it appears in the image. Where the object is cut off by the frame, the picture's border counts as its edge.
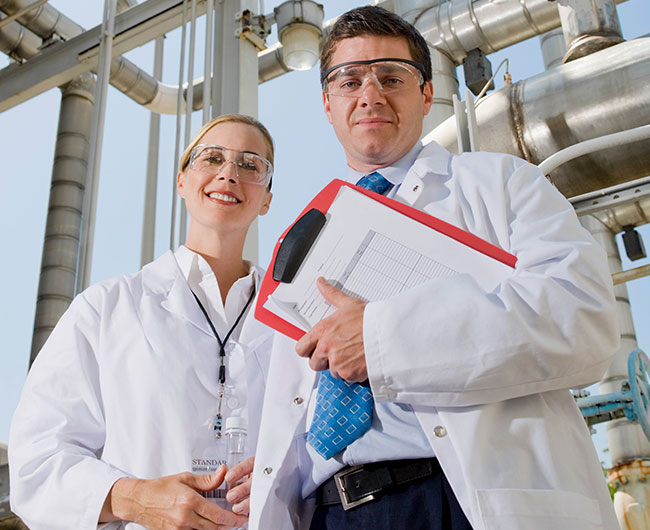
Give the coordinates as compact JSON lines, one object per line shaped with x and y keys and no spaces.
{"x":372,"y":20}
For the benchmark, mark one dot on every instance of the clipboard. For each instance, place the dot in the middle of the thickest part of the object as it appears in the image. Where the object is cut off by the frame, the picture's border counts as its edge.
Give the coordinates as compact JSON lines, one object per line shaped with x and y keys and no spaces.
{"x":295,"y":242}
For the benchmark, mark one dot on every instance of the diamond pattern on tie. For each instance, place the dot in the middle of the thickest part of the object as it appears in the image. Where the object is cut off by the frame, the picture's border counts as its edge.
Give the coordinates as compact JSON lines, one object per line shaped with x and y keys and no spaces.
{"x":343,"y":410}
{"x":343,"y":413}
{"x":375,"y":182}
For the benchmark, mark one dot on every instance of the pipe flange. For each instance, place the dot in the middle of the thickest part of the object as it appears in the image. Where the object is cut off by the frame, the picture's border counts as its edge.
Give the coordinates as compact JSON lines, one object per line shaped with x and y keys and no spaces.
{"x":590,"y":43}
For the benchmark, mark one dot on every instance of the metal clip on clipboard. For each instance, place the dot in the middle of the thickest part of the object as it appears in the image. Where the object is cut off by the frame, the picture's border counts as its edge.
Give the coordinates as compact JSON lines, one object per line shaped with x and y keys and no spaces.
{"x":296,"y":245}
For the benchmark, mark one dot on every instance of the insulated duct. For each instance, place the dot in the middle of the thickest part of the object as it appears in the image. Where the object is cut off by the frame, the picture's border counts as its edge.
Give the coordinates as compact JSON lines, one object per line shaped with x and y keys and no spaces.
{"x":456,"y":27}
{"x":600,"y":94}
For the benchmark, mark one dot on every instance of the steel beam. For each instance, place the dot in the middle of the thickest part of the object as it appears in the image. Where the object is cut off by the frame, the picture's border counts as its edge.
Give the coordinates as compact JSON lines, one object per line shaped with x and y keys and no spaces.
{"x":64,"y":61}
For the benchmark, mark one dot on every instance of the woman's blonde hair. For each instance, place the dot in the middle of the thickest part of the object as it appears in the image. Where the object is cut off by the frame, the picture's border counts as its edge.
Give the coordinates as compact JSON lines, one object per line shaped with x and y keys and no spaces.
{"x":224,"y":118}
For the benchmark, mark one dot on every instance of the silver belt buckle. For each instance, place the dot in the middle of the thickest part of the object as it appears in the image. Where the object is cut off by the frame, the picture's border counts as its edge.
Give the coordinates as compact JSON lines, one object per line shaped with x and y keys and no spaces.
{"x":343,"y":494}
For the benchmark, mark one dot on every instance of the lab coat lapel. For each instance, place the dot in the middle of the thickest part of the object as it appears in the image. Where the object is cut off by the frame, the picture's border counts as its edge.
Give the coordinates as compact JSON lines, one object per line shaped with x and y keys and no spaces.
{"x":164,"y":279}
{"x":432,"y":160}
{"x":257,"y":338}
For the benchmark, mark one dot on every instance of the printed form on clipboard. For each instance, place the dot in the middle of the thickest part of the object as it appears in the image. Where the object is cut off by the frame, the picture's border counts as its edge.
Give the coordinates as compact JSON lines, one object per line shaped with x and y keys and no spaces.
{"x":370,"y":247}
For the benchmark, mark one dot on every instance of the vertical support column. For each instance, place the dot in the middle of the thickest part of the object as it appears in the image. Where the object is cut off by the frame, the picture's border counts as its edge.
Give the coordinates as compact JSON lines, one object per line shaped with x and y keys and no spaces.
{"x":445,"y":87}
{"x":553,"y":47}
{"x":207,"y":65}
{"x":56,"y":286}
{"x":628,"y":446}
{"x":588,"y":26}
{"x":96,"y":140}
{"x":236,"y":79}
{"x":151,"y":185}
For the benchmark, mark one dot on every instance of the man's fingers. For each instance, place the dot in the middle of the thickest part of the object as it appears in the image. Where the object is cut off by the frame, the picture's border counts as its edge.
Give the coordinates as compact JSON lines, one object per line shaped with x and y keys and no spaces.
{"x":319,"y":362}
{"x":307,"y":344}
{"x":332,"y":294}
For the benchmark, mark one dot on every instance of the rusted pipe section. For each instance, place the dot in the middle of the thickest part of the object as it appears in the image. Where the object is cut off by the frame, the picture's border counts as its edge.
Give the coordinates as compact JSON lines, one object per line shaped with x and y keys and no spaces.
{"x":632,"y":497}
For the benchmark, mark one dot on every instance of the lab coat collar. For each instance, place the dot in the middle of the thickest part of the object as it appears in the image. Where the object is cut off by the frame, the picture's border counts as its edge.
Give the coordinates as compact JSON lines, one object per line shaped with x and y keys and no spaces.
{"x":163,"y":278}
{"x":434,"y":160}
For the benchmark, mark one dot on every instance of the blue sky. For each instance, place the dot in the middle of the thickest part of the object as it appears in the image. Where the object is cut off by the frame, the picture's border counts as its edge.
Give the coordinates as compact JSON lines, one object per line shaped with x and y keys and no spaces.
{"x":308,"y":156}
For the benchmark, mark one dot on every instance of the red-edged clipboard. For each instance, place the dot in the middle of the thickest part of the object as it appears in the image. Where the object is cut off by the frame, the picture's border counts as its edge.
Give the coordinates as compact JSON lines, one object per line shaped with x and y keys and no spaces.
{"x":321,"y":203}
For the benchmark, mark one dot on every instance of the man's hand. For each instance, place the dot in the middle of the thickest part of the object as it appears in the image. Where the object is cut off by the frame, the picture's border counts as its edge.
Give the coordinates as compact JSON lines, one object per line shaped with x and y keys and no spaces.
{"x":336,"y":342}
{"x":239,"y":495}
{"x":171,"y":502}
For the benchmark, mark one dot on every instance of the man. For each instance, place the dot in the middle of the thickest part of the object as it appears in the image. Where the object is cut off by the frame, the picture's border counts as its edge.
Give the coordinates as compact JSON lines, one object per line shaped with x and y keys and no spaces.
{"x":473,"y":425}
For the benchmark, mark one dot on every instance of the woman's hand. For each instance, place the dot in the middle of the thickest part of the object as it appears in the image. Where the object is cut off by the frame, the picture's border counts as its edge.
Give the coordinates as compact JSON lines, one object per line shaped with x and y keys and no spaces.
{"x":238,"y":496}
{"x":170,"y":503}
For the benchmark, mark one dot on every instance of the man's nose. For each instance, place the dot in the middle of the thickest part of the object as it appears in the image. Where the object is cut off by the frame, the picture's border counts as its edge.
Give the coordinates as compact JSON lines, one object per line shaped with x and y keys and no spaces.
{"x":371,"y":92}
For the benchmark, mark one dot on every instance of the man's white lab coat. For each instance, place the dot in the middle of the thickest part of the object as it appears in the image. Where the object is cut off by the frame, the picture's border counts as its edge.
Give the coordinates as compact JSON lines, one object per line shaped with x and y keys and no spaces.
{"x":124,"y":386}
{"x":486,"y":373}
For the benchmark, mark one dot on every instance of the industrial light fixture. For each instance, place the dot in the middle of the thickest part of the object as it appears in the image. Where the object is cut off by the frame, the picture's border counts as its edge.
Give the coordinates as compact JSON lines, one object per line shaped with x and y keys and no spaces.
{"x":299,"y":30}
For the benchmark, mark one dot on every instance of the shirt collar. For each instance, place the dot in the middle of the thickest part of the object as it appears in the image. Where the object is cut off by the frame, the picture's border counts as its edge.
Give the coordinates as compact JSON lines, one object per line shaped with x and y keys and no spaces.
{"x":393,"y":173}
{"x":192,"y":263}
{"x":203,"y":283}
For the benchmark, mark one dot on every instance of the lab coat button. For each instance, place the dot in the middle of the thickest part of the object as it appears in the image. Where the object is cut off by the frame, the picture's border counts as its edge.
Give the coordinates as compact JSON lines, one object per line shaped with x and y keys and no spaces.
{"x":297,"y":400}
{"x":268,"y":470}
{"x":439,"y":431}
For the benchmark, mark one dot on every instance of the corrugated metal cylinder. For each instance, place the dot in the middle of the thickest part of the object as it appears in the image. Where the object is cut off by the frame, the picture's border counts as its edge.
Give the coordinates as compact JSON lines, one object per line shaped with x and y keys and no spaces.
{"x":63,"y":224}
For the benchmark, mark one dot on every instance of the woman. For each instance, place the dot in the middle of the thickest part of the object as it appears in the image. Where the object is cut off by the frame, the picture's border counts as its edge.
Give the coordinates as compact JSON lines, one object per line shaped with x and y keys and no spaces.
{"x":121,"y":418}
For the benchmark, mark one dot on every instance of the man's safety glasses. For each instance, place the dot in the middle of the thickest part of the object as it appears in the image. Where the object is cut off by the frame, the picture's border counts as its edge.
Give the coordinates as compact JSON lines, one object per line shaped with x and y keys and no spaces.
{"x":212,"y":159}
{"x":388,"y":75}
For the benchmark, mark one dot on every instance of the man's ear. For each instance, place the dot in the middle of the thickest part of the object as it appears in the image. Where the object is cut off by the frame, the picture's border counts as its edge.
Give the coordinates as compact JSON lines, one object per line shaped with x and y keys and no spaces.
{"x":326,"y":106}
{"x":266,"y":204}
{"x":427,"y":95}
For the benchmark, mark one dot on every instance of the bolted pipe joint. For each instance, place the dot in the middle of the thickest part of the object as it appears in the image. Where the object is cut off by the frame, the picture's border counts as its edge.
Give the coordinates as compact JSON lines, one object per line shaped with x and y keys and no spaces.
{"x":588,"y":26}
{"x":632,"y":497}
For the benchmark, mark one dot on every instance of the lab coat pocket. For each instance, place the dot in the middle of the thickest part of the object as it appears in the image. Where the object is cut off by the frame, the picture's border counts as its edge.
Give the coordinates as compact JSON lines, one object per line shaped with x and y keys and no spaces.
{"x":514,"y":509}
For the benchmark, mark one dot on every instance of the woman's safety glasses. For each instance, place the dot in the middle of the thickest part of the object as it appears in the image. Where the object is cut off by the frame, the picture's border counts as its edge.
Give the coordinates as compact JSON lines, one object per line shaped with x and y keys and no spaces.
{"x":249,"y":167}
{"x":388,"y":75}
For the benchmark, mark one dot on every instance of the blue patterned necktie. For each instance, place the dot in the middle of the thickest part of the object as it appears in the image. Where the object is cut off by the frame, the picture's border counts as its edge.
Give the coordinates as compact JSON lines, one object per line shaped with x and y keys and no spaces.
{"x":343,"y":410}
{"x":374,"y":182}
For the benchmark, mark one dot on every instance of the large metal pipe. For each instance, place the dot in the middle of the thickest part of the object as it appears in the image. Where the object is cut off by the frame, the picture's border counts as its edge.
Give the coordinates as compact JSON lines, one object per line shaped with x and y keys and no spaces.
{"x":18,"y":42}
{"x":456,"y":27}
{"x":588,"y":26}
{"x":45,"y":21}
{"x":553,"y":47}
{"x":63,"y":225}
{"x":600,"y":94}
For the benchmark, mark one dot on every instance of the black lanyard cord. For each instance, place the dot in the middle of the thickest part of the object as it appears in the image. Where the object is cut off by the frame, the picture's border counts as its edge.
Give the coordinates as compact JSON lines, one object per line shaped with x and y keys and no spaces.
{"x":222,"y":344}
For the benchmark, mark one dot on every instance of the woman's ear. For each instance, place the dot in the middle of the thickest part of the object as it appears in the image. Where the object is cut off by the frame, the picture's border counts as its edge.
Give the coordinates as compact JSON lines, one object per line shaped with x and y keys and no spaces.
{"x":266,"y":203}
{"x":180,"y":183}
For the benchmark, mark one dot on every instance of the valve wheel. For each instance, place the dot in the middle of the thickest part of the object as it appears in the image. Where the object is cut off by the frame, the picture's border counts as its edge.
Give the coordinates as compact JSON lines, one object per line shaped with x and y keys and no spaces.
{"x":638,"y":368}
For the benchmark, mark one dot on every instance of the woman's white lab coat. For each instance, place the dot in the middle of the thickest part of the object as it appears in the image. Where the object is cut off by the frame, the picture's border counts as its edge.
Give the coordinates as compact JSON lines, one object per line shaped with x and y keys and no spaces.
{"x":124,"y":386}
{"x":486,"y":373}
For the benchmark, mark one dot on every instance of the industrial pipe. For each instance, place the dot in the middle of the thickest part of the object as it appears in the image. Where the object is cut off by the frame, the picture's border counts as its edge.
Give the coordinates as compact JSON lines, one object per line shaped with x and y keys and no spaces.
{"x":56,"y":287}
{"x":600,"y":94}
{"x":457,"y":27}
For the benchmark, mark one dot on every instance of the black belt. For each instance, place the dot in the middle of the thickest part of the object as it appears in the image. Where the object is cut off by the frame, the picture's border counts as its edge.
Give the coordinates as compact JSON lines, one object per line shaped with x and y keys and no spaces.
{"x":356,"y":485}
